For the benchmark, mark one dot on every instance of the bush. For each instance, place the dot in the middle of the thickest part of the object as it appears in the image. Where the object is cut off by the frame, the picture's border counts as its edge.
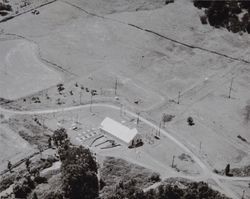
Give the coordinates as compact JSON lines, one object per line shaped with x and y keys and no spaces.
{"x":24,"y":187}
{"x":6,"y":181}
{"x":155,"y":177}
{"x":3,"y":13}
{"x":40,"y":180}
{"x":203,"y":19}
{"x":190,"y":121}
{"x":169,"y":1}
{"x":102,"y":183}
{"x":167,"y":118}
{"x":202,"y":3}
{"x":54,"y":195}
{"x":225,"y":14}
{"x":195,"y":190}
{"x":5,"y":7}
{"x":79,"y":173}
{"x":60,"y":136}
{"x":248,"y":28}
{"x":21,"y":191}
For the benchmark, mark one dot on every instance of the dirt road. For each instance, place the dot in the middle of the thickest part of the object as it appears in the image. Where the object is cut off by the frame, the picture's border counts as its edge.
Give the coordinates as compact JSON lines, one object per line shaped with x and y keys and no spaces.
{"x":207,"y":173}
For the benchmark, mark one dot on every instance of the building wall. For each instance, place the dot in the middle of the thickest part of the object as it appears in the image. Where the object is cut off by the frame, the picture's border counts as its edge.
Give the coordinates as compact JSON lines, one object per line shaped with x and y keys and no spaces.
{"x":114,"y":137}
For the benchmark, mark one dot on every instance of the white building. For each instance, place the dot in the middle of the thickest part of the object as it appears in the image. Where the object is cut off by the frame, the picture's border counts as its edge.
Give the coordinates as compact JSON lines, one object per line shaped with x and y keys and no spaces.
{"x":118,"y":131}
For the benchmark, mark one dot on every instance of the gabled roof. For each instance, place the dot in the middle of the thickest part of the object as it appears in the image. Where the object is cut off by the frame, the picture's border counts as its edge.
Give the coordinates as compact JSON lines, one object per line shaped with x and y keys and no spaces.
{"x":118,"y":130}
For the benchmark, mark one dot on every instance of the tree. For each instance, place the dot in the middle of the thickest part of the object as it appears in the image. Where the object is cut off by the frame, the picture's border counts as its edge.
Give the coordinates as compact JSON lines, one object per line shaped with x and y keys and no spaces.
{"x":9,"y":166}
{"x":248,"y":27}
{"x":202,"y":3}
{"x":194,"y":190}
{"x":60,"y":88}
{"x":190,"y":121}
{"x":169,"y":1}
{"x":49,"y":142}
{"x":54,"y":195}
{"x":23,"y":187}
{"x":27,"y":163}
{"x":5,"y":7}
{"x":21,"y":190}
{"x":203,"y":19}
{"x":225,"y":14}
{"x":40,"y":149}
{"x":218,"y":14}
{"x":60,"y":136}
{"x":227,"y":170}
{"x":79,"y":173}
{"x":34,"y":196}
{"x":166,"y":118}
{"x":40,"y":180}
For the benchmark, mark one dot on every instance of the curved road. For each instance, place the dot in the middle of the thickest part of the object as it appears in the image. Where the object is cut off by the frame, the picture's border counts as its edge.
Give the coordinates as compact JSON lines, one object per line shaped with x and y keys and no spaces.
{"x":207,"y":172}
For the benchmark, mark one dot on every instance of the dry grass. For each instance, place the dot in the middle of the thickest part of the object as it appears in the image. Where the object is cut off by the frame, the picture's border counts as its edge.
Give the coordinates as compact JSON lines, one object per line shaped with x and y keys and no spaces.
{"x":116,"y":170}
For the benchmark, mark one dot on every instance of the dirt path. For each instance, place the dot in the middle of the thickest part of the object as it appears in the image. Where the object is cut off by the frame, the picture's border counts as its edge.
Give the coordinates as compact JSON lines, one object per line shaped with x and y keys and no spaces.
{"x":206,"y":170}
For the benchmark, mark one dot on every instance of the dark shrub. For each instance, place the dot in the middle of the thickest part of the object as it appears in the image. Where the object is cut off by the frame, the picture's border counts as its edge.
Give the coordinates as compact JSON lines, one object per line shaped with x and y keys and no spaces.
{"x":203,"y":19}
{"x":79,"y":171}
{"x":190,"y":121}
{"x":54,"y":195}
{"x":225,"y":14}
{"x":3,"y":13}
{"x":202,"y":4}
{"x":40,"y":180}
{"x":60,"y":136}
{"x":22,"y":188}
{"x":155,"y":177}
{"x":5,"y":7}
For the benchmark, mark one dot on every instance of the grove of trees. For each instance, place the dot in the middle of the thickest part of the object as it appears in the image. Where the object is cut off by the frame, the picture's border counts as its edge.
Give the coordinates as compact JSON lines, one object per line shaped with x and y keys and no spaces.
{"x":78,"y":170}
{"x":195,"y":190}
{"x":79,"y":173}
{"x":4,"y":9}
{"x":225,"y":13}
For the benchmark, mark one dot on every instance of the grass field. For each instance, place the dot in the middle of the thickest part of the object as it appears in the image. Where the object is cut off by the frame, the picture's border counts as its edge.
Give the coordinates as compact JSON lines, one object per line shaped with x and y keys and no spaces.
{"x":139,"y":55}
{"x":22,"y":73}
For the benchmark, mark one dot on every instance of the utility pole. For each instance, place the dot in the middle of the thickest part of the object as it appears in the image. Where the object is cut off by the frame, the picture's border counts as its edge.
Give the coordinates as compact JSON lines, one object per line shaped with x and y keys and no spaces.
{"x":121,"y":110}
{"x":179,"y":96}
{"x":138,"y":119}
{"x":173,"y":161}
{"x":43,"y":120}
{"x":80,"y":97}
{"x":5,"y":70}
{"x":91,"y":97}
{"x":116,"y":83}
{"x":77,"y":119}
{"x":243,"y":194}
{"x":142,"y":61}
{"x":63,"y":114}
{"x":159,"y":130}
{"x":230,"y":89}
